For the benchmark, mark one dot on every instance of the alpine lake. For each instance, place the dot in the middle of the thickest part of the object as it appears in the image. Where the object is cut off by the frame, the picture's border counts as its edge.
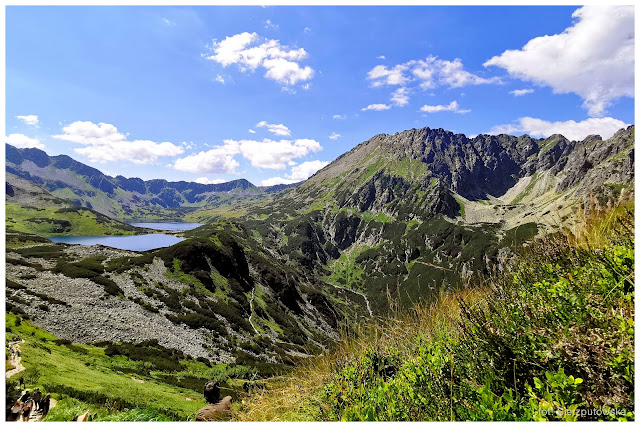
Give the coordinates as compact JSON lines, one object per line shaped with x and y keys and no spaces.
{"x":140,"y":242}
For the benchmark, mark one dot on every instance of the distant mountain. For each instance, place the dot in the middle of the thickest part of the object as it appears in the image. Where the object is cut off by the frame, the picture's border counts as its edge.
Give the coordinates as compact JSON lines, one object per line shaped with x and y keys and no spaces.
{"x":122,"y":197}
{"x":402,"y":216}
{"x":31,"y":209}
{"x":278,"y":187}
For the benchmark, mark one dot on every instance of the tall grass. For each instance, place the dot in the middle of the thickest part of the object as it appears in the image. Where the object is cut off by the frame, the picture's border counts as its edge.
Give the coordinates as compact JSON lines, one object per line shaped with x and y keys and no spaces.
{"x":552,"y":339}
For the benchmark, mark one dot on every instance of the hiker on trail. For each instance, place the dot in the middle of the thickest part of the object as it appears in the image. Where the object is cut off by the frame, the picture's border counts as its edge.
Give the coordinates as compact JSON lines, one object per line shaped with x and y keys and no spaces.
{"x":15,"y":411}
{"x":44,"y":404}
{"x":26,"y":410}
{"x":216,"y":410}
{"x":21,"y":383}
{"x":26,"y":396}
{"x":37,"y":395}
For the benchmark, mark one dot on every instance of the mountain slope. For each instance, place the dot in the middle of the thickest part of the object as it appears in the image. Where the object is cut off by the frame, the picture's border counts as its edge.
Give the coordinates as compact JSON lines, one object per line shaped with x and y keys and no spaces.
{"x":32,"y":209}
{"x":402,"y":217}
{"x":121,"y":197}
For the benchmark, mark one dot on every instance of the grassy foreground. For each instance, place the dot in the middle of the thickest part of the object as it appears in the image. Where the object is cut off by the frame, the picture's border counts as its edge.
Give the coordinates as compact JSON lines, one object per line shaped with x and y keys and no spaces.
{"x":114,"y":381}
{"x":553,"y":339}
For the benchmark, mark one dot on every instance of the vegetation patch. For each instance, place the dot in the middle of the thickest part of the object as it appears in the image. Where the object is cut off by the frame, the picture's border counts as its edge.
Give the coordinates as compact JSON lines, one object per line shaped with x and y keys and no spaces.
{"x":551,"y":340}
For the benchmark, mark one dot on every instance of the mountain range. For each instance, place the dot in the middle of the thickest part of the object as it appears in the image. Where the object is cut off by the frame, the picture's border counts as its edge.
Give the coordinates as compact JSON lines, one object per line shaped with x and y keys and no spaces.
{"x":275,"y":272}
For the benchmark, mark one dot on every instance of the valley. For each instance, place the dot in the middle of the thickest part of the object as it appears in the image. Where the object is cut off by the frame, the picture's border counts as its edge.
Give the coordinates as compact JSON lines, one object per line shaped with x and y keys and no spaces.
{"x":274,"y":276}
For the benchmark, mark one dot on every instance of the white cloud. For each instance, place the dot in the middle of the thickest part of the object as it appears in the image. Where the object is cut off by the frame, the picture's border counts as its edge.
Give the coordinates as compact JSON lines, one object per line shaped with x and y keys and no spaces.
{"x":307,"y":29}
{"x":252,"y":131}
{"x":339,"y":116}
{"x":381,"y":57}
{"x":376,"y":107}
{"x":381,"y":75}
{"x":334,"y":136}
{"x":270,"y":25}
{"x":168,"y":22}
{"x":276,"y":180}
{"x":19,"y":140}
{"x":275,"y":129}
{"x":400,"y":97}
{"x":205,"y":180}
{"x":520,"y":92}
{"x":286,"y":72}
{"x":570,"y":129}
{"x":217,"y":160}
{"x":298,"y":173}
{"x":306,"y":169}
{"x":427,"y":73}
{"x":220,"y":79}
{"x":105,"y":144}
{"x":246,"y":51}
{"x":453,"y":106}
{"x":267,"y":154}
{"x":31,"y":119}
{"x":594,"y":58}
{"x":270,"y":154}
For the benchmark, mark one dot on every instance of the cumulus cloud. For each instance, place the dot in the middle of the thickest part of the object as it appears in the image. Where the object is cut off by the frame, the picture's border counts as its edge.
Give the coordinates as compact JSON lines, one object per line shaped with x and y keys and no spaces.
{"x":275,"y":129}
{"x":252,"y":131}
{"x":217,"y":160}
{"x":306,"y":169}
{"x":248,"y":51}
{"x":520,"y":92}
{"x":453,"y":106}
{"x":400,"y":97}
{"x":594,"y":58}
{"x":31,"y":119}
{"x":276,"y":180}
{"x":205,"y":180}
{"x":376,"y":107}
{"x":427,"y":73}
{"x":220,"y":79}
{"x":334,"y":136}
{"x":576,"y":131}
{"x":339,"y":116}
{"x":424,"y":74}
{"x":103,"y":143}
{"x":270,"y":154}
{"x":381,"y":57}
{"x":266,"y":154}
{"x":298,"y":173}
{"x":382,"y":75}
{"x":19,"y":140}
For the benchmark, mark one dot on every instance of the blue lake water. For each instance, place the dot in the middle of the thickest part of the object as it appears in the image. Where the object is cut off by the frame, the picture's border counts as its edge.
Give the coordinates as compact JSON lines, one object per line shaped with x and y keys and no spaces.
{"x":169,"y":226}
{"x":143,"y":242}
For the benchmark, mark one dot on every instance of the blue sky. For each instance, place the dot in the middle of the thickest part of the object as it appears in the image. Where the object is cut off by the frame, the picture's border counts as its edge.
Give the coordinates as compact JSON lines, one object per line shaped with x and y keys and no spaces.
{"x":272,"y":94}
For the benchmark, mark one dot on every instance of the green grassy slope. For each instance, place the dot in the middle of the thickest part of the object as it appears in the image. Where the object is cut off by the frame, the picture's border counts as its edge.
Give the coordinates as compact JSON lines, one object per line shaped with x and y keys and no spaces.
{"x":551,"y":340}
{"x":60,"y":221}
{"x":115,"y":381}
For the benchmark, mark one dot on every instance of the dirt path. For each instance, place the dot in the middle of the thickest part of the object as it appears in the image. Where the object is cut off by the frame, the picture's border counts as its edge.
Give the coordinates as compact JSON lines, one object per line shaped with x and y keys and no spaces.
{"x":251,"y":305}
{"x":15,"y":360}
{"x":37,"y":416}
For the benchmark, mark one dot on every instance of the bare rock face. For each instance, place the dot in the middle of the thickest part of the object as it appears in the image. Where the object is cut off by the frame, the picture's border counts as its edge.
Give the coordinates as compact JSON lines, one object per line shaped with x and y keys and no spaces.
{"x":594,"y":162}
